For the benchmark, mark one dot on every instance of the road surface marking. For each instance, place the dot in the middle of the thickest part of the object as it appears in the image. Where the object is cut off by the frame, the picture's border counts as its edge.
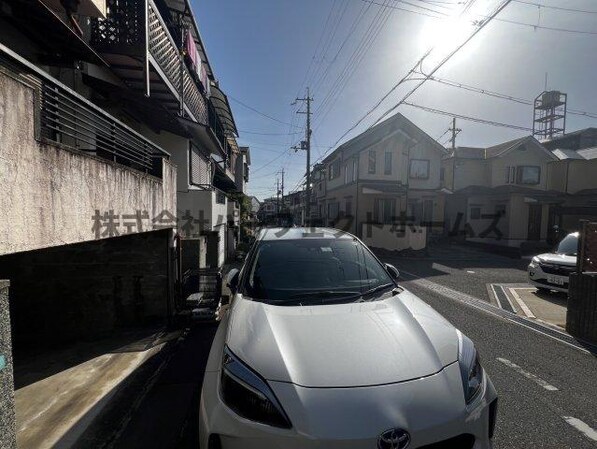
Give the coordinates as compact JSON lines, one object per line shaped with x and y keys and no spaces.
{"x":521,"y":303}
{"x":491,"y":309}
{"x":528,"y":375}
{"x":470,"y":271}
{"x":506,"y":304}
{"x":582,"y":427}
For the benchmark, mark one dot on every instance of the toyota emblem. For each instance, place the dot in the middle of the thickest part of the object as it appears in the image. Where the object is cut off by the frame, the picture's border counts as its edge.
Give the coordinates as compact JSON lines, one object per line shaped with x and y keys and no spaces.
{"x":393,"y":439}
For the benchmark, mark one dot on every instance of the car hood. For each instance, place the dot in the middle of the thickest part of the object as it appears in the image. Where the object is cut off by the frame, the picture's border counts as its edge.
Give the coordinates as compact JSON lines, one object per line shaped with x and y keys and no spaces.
{"x":558,"y":259}
{"x":342,"y":345}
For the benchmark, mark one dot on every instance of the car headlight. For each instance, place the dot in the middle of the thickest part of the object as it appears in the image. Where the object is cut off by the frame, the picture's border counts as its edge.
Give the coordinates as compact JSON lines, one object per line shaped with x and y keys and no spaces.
{"x":534,"y":262}
{"x":471,"y":370}
{"x":248,"y":395}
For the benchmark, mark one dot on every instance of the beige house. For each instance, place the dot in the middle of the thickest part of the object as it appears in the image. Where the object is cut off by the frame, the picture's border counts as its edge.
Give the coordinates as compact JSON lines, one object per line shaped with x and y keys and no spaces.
{"x":503,"y":194}
{"x":575,"y":175}
{"x":388,"y":174}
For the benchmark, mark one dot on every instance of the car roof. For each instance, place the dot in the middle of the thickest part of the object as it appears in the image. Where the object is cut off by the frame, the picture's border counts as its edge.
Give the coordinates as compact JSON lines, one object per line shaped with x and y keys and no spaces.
{"x":297,"y":233}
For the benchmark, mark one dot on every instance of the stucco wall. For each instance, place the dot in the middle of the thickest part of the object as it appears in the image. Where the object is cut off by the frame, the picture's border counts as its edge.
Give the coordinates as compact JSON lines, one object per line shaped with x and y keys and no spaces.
{"x":525,"y":155}
{"x":50,"y":193}
{"x":7,"y":410}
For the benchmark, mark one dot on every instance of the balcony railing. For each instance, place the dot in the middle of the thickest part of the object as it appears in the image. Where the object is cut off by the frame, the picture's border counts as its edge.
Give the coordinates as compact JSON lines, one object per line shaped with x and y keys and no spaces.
{"x":124,"y":32}
{"x":69,"y":119}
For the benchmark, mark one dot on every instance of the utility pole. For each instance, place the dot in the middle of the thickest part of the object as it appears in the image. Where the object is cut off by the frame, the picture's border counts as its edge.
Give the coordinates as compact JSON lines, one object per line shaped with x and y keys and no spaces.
{"x":277,"y":195}
{"x":282,"y":185}
{"x":306,"y":145}
{"x":455,"y":132}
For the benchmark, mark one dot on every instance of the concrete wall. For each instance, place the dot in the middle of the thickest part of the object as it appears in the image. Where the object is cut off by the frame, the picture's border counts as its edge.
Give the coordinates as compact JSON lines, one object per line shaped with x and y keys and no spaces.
{"x":8,"y":437}
{"x":50,"y":193}
{"x":87,"y":290}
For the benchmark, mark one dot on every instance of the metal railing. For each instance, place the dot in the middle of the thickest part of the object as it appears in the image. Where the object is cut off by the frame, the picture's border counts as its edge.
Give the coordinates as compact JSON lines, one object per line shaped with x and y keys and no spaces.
{"x":68,"y":119}
{"x":124,"y":32}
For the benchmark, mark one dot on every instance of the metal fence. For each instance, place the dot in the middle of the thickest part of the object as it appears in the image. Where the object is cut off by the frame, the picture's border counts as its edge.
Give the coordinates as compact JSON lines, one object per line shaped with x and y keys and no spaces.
{"x":68,"y":119}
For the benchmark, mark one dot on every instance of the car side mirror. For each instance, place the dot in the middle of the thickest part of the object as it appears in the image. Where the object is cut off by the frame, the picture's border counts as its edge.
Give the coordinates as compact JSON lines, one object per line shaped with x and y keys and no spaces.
{"x":392,"y":271}
{"x":232,"y":279}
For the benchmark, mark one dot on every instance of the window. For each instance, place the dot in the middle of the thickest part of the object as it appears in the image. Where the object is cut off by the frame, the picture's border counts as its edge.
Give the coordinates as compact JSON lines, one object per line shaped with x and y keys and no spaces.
{"x":387,"y":167}
{"x":419,"y":169}
{"x":333,"y":211}
{"x":200,"y":169}
{"x":372,"y":161}
{"x":475,"y":213}
{"x":335,"y":169}
{"x":528,"y":174}
{"x":348,"y":208}
{"x":283,"y":271}
{"x":510,"y":175}
{"x":348,"y":173}
{"x":220,"y":197}
{"x":385,"y":210}
{"x":355,"y":169}
{"x":442,"y":174}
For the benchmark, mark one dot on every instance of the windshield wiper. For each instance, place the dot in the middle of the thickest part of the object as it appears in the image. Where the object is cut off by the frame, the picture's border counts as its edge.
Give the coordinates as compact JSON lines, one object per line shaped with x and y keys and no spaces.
{"x":323,"y":294}
{"x":379,"y":288}
{"x":317,"y":297}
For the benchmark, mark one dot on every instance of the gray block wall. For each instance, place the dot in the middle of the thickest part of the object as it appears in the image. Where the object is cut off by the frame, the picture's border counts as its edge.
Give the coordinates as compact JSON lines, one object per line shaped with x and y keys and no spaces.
{"x":8,"y":437}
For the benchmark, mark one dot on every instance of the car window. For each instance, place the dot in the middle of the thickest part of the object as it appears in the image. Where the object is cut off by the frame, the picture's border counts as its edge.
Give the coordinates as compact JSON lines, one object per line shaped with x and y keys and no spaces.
{"x":286,"y":269}
{"x":569,"y":245}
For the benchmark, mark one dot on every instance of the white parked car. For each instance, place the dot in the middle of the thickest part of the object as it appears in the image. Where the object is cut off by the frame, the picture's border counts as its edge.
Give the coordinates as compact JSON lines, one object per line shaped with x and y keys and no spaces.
{"x":550,"y":271}
{"x":321,"y":348}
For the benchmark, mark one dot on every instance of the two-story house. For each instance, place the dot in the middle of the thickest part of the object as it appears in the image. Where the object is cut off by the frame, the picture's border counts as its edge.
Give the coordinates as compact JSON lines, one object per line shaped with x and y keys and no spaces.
{"x":388,"y":174}
{"x":501,"y":194}
{"x":574,"y":174}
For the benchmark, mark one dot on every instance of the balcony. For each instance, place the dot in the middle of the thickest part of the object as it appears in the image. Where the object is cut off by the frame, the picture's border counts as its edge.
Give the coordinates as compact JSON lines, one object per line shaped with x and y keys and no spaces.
{"x":141,"y":49}
{"x":65,"y":117}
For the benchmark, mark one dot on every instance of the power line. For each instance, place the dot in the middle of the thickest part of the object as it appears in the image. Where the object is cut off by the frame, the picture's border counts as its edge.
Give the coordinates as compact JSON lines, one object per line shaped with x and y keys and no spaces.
{"x":468,"y":118}
{"x":259,"y":133}
{"x":517,"y":22}
{"x":559,"y":8}
{"x":543,"y":27}
{"x":478,"y":28}
{"x":251,"y":108}
{"x":502,"y":96}
{"x":354,"y":61}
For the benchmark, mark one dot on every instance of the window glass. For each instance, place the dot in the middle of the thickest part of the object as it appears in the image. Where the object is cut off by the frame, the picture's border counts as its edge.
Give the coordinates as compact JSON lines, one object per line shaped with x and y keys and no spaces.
{"x":372,"y":161}
{"x":284,"y":270}
{"x":419,"y":168}
{"x":388,"y":163}
{"x":528,"y":174}
{"x":475,"y":213}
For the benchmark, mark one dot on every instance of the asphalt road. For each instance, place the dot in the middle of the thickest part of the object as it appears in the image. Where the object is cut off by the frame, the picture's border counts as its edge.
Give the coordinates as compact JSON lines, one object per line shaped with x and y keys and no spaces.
{"x":547,"y":389}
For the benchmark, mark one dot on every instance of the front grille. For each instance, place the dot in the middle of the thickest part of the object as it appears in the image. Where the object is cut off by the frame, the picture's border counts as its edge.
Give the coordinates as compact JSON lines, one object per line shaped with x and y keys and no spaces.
{"x":464,"y":441}
{"x":560,"y":270}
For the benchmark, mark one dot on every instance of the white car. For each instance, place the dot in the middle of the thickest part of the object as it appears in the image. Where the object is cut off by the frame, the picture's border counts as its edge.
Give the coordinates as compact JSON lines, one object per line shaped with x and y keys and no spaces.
{"x":321,"y":348}
{"x":551,"y":271}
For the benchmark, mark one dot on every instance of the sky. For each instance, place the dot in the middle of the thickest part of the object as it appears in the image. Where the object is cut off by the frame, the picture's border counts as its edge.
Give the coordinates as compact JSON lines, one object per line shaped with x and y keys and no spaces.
{"x":352,"y":52}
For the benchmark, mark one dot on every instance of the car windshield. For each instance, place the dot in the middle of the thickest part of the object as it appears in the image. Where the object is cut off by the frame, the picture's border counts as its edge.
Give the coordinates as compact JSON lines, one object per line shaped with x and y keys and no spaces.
{"x":568,"y":246}
{"x":317,"y":271}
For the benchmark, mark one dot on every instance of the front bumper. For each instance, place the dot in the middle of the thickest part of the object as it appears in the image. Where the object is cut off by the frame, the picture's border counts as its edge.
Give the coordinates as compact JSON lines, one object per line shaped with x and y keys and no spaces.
{"x":541,"y":279}
{"x":431,"y":409}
